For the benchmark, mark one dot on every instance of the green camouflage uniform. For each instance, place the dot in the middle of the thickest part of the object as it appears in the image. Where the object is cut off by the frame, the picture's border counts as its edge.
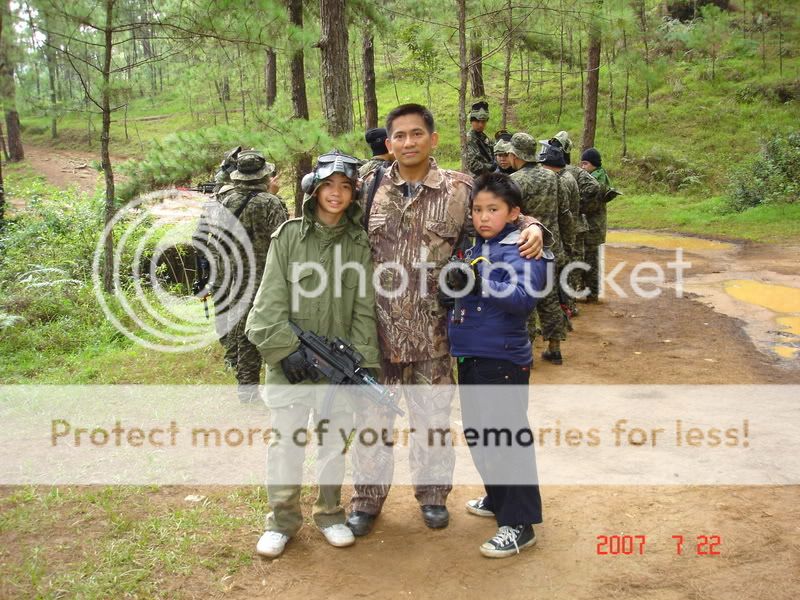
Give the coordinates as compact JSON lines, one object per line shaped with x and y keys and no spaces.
{"x":479,"y":153}
{"x":371,"y":165}
{"x":570,"y":195}
{"x":589,"y":191}
{"x":540,"y":199}
{"x":349,"y":315}
{"x":596,"y":236}
{"x":259,"y":219}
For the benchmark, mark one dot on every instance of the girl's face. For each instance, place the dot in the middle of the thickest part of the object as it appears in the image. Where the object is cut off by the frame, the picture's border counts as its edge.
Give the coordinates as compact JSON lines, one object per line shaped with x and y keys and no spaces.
{"x":490,"y":214}
{"x":334,"y":195}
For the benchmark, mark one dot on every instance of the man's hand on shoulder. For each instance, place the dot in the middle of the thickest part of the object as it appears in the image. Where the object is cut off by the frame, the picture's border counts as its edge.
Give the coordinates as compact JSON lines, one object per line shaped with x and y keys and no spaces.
{"x":531,"y":242}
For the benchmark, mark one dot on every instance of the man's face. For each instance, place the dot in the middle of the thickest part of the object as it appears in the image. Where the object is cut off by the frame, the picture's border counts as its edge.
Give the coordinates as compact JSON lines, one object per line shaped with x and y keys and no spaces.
{"x":410,"y":141}
{"x":515,"y":161}
{"x":587,"y":166}
{"x":478,"y":126}
{"x":503,"y":160}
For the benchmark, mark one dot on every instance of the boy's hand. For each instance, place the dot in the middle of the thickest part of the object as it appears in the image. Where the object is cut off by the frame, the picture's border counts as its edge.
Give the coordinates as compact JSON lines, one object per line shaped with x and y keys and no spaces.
{"x":296,"y":368}
{"x":530,"y":242}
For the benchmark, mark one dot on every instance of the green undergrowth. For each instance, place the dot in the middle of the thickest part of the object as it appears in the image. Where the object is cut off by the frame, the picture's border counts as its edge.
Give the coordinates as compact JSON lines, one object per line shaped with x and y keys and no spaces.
{"x":774,"y":223}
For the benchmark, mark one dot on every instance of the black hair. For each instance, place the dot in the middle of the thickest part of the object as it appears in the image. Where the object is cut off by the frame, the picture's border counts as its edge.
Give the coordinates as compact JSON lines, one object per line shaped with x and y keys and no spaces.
{"x":410,"y":109}
{"x":499,"y":184}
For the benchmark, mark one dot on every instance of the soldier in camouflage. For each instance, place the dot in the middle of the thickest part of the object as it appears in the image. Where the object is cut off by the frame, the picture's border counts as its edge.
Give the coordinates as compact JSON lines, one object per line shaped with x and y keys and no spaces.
{"x":417,"y":216}
{"x":252,"y":213}
{"x":589,"y":190}
{"x":381,"y":156}
{"x":479,"y":151}
{"x":552,"y":158}
{"x":501,"y":154}
{"x":591,"y":162}
{"x":540,"y":199}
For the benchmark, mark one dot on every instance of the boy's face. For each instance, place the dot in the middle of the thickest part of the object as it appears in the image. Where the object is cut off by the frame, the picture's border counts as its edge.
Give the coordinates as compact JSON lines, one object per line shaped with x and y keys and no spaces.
{"x":587,"y":166}
{"x":503,"y":160}
{"x":334,"y":195}
{"x":490,"y":214}
{"x":478,"y":126}
{"x":410,"y":141}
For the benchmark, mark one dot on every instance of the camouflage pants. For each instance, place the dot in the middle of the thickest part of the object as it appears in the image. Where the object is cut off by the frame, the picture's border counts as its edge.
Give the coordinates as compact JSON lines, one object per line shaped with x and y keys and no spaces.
{"x":552,"y":321}
{"x":285,"y":460}
{"x":248,"y":359}
{"x":223,"y":328}
{"x":576,"y":276}
{"x":592,"y":257}
{"x":428,"y":412}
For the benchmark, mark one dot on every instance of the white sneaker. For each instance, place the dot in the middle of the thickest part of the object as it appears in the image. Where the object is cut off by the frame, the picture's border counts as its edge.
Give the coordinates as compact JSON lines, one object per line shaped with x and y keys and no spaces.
{"x":338,"y":535}
{"x":479,"y":507}
{"x":271,"y":544}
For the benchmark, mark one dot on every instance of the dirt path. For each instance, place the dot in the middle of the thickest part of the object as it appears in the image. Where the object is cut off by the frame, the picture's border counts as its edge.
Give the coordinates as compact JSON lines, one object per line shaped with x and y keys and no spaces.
{"x":709,"y":336}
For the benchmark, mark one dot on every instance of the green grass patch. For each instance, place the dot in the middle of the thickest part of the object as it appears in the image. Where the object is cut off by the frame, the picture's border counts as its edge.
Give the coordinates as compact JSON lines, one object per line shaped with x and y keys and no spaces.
{"x":775,"y":223}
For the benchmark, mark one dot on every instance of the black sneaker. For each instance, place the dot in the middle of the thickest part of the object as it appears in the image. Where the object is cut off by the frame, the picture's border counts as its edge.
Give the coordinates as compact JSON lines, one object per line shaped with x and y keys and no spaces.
{"x":480,"y":507}
{"x":509,"y":541}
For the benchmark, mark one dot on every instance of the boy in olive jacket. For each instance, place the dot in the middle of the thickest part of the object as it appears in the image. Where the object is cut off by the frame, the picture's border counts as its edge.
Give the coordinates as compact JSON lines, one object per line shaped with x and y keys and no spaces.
{"x":319,"y":276}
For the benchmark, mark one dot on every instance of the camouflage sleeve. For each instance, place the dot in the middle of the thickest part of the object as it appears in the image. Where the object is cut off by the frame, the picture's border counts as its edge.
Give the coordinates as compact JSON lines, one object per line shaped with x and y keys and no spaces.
{"x":267,"y":216}
{"x":590,"y":190}
{"x":476,"y":163}
{"x":566,"y":221}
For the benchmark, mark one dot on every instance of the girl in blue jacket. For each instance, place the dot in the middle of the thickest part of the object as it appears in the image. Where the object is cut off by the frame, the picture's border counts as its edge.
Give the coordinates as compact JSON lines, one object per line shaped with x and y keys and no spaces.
{"x":489,"y":337}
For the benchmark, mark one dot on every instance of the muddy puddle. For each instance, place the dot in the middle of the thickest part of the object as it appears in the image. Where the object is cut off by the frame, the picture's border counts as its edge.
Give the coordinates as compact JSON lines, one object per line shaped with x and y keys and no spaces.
{"x":767,"y":302}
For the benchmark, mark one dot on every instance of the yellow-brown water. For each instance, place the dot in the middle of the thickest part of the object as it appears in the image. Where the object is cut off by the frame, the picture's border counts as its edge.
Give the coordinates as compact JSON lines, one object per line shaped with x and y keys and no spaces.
{"x":667,"y":242}
{"x":780,"y":299}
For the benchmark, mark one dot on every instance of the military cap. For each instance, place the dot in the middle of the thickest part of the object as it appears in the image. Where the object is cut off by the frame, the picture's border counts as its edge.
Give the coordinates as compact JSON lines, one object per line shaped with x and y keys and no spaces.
{"x":480,"y":111}
{"x":502,"y":147}
{"x":251,"y":165}
{"x":566,"y":143}
{"x":376,"y":138}
{"x":523,"y":146}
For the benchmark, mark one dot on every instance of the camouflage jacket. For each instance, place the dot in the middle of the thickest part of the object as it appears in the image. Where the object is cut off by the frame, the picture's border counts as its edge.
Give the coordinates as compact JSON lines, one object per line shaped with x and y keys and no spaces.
{"x":568,"y":195}
{"x":259,"y":219}
{"x":416,"y":235}
{"x":479,"y":153}
{"x":372,"y":164}
{"x":588,"y":187}
{"x":540,"y":199}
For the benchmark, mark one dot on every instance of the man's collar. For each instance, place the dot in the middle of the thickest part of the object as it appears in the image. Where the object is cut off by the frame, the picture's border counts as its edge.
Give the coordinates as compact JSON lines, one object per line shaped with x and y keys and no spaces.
{"x":434,"y":179}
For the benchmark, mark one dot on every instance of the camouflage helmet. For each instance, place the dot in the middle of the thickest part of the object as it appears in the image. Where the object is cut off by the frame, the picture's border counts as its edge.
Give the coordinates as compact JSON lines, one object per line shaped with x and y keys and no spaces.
{"x":566,"y":143}
{"x":523,"y":146}
{"x":502,"y":147}
{"x":480,"y":111}
{"x":251,"y":166}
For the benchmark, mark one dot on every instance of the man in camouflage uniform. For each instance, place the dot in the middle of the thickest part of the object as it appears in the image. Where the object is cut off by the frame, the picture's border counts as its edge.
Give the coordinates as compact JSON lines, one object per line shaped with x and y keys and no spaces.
{"x":251,"y":214}
{"x":540,"y":199}
{"x":479,"y":151}
{"x":501,"y":149}
{"x":203,"y":288}
{"x":381,"y":156}
{"x":418,"y":214}
{"x":552,"y":158}
{"x":589,"y":190}
{"x":591,"y":163}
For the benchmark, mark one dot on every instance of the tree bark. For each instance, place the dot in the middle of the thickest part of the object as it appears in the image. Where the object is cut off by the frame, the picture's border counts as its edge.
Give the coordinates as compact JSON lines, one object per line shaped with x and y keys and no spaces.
{"x":52,"y":74}
{"x":611,"y":120}
{"x":8,"y":91}
{"x":476,"y":65}
{"x":507,"y":69}
{"x":625,"y":100}
{"x":299,"y":102}
{"x":271,"y":77}
{"x":333,"y":44}
{"x":592,"y":86}
{"x":105,"y":140}
{"x":370,"y":97}
{"x":464,"y":75}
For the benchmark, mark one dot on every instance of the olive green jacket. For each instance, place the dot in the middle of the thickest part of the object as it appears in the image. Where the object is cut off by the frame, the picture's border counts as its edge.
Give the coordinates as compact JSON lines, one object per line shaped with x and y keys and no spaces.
{"x":304,"y":254}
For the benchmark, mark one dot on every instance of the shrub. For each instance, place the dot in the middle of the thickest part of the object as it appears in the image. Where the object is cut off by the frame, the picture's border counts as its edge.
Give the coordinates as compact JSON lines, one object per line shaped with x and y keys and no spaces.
{"x":660,"y":171}
{"x":770,"y":178}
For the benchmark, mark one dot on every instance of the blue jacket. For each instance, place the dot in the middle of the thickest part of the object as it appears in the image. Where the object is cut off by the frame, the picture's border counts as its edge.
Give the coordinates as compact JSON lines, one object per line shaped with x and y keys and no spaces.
{"x":493,"y":326}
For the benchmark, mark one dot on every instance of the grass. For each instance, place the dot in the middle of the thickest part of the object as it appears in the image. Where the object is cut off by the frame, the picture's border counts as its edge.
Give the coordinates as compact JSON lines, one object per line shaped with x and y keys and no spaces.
{"x":778,"y":223}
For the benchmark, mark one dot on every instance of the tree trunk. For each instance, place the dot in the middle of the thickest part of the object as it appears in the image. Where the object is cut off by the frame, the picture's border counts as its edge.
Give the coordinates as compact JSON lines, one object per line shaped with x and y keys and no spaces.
{"x":370,"y":97}
{"x":298,"y":72}
{"x":476,"y":65}
{"x":625,"y":100}
{"x":391,"y":71}
{"x":507,"y":70}
{"x":333,"y":44}
{"x":52,"y":74}
{"x":357,"y":87}
{"x":592,"y":85}
{"x":642,"y":13}
{"x":610,"y":61}
{"x":462,"y":88}
{"x":580,"y":69}
{"x":241,"y":85}
{"x":561,"y":64}
{"x":8,"y":92}
{"x":271,"y":77}
{"x":105,"y":156}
